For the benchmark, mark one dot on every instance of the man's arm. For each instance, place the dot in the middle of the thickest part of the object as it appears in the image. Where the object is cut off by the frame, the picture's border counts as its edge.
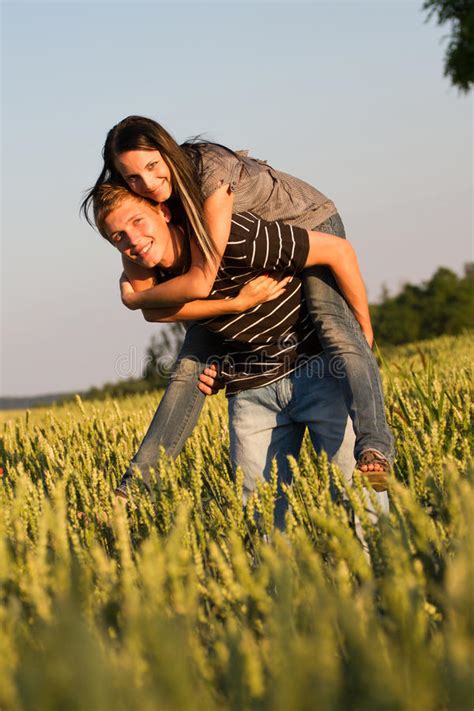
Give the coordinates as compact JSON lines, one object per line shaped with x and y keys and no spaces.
{"x":209,"y":381}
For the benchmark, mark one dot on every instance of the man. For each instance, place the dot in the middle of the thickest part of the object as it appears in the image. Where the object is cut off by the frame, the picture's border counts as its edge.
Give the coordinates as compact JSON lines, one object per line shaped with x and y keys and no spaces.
{"x":275,"y":383}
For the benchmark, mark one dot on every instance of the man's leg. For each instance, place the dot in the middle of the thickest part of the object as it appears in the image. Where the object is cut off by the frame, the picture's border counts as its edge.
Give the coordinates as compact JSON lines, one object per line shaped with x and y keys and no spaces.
{"x":260,"y":431}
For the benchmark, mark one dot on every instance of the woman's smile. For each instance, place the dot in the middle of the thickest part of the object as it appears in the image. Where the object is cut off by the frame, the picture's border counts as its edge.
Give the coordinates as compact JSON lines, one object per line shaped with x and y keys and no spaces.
{"x":155,"y":193}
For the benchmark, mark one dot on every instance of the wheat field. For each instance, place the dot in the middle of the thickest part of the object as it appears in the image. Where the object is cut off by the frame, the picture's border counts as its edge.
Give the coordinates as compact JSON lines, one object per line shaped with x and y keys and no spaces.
{"x":186,"y":601}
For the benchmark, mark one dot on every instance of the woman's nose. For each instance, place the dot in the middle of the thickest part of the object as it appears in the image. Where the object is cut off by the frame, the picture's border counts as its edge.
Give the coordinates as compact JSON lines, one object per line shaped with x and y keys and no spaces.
{"x":146,"y":181}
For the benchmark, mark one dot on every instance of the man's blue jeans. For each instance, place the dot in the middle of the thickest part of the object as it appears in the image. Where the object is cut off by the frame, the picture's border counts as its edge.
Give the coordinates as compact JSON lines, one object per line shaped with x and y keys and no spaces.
{"x":268,"y":423}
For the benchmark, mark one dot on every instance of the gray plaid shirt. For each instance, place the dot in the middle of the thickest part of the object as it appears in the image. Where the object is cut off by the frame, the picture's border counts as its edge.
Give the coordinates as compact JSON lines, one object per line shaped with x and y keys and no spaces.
{"x":258,"y":188}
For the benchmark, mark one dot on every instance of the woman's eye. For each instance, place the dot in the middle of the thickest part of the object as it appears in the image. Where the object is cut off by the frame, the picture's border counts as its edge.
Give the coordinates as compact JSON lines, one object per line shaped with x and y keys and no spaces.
{"x":152,"y":165}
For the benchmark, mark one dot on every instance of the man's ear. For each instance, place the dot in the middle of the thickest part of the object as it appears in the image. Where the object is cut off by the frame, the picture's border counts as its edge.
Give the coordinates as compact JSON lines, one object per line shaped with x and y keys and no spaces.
{"x":165,"y":211}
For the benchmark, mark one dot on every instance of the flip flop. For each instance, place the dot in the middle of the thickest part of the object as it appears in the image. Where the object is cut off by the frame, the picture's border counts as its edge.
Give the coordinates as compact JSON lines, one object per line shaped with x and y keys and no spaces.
{"x":379,"y":480}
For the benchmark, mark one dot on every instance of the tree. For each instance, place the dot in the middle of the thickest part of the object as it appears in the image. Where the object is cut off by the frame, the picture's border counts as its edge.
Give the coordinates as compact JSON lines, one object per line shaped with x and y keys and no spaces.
{"x":442,"y":305}
{"x":161,"y":354}
{"x":459,"y":58}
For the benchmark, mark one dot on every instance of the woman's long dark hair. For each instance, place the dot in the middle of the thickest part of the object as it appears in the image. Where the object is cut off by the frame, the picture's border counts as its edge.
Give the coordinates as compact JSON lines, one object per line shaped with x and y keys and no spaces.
{"x":186,"y":203}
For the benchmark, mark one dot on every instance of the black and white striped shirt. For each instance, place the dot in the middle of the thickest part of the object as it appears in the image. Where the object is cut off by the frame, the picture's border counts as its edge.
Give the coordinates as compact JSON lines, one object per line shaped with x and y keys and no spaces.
{"x":271,"y":340}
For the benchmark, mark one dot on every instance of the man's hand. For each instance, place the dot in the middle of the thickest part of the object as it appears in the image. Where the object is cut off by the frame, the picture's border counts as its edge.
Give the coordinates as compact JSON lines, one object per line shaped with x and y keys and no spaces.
{"x":209,"y":381}
{"x":127,"y":293}
{"x":266,"y":287}
{"x":368,"y":333}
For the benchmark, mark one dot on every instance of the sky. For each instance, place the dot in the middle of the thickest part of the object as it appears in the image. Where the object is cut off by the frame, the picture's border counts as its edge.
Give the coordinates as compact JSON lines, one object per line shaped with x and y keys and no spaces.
{"x":349,"y":96}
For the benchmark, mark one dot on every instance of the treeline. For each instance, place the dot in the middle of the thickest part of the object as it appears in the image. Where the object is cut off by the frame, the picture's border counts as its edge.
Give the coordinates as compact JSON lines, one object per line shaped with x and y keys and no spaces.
{"x":444,"y":305}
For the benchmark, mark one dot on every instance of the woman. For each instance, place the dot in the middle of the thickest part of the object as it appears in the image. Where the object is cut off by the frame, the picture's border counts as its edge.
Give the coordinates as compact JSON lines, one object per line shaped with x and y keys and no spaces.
{"x":204,"y":184}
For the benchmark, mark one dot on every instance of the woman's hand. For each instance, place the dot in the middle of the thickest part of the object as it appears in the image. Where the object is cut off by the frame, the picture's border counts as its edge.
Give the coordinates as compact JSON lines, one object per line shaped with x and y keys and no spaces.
{"x":126,"y":292}
{"x":266,"y":287}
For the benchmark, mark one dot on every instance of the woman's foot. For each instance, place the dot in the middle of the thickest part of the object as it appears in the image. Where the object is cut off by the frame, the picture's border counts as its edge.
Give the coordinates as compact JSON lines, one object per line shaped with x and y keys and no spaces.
{"x":375,"y":467}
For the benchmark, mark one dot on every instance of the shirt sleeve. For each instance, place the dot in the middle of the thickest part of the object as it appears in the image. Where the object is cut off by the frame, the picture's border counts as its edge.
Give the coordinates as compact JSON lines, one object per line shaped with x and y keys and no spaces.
{"x":275,"y":245}
{"x":219,"y":167}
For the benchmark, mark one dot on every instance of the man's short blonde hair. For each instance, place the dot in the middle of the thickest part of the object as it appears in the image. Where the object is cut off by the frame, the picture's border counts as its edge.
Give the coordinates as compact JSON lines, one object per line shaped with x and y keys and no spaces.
{"x":107,"y":198}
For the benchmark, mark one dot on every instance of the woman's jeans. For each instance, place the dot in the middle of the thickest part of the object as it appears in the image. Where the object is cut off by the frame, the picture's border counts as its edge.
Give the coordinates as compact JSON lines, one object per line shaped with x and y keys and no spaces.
{"x":180,"y":406}
{"x":350,"y":355}
{"x":340,"y":335}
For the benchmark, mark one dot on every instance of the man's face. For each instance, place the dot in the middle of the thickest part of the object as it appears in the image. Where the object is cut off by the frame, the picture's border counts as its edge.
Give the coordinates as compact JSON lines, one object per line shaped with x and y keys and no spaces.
{"x":141,"y":233}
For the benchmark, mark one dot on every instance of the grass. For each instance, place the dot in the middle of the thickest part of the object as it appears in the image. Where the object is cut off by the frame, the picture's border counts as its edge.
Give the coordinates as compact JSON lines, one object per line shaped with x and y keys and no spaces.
{"x":181,"y":602}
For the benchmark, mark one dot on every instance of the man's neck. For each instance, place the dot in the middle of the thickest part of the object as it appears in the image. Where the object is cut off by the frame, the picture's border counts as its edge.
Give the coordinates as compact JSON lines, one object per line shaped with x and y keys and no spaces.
{"x":177,"y":255}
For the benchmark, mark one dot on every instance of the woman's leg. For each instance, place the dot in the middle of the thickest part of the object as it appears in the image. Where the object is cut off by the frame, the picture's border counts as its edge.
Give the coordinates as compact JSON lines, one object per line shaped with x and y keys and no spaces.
{"x":351,"y":358}
{"x":180,"y":406}
{"x":318,"y":402}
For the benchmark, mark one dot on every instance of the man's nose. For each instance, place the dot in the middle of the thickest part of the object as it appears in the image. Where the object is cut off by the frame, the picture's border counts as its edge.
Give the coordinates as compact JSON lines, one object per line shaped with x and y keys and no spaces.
{"x":133,"y":237}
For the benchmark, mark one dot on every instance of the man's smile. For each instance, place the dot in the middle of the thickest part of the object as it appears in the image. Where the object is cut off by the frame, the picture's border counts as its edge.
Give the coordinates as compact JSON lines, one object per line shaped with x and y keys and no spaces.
{"x":140,"y":231}
{"x":144,"y":250}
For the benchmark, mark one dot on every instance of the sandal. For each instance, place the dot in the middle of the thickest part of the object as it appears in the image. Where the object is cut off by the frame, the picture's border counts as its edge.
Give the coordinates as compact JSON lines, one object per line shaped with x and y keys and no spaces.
{"x":378,"y":479}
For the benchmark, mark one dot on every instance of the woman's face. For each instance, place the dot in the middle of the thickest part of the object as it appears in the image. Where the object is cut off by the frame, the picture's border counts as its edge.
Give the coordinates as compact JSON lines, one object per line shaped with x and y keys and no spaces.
{"x":146,"y":173}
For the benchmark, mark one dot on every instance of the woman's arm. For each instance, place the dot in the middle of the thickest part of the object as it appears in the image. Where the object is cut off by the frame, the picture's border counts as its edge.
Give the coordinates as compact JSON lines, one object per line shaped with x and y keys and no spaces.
{"x":139,"y":277}
{"x":197,"y":282}
{"x":257,"y":291}
{"x":340,"y":256}
{"x":193,"y":311}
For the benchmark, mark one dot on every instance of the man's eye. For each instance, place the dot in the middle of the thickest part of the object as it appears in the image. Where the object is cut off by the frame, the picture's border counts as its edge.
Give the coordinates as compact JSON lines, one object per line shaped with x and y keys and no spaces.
{"x":138,"y":220}
{"x":132,"y":179}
